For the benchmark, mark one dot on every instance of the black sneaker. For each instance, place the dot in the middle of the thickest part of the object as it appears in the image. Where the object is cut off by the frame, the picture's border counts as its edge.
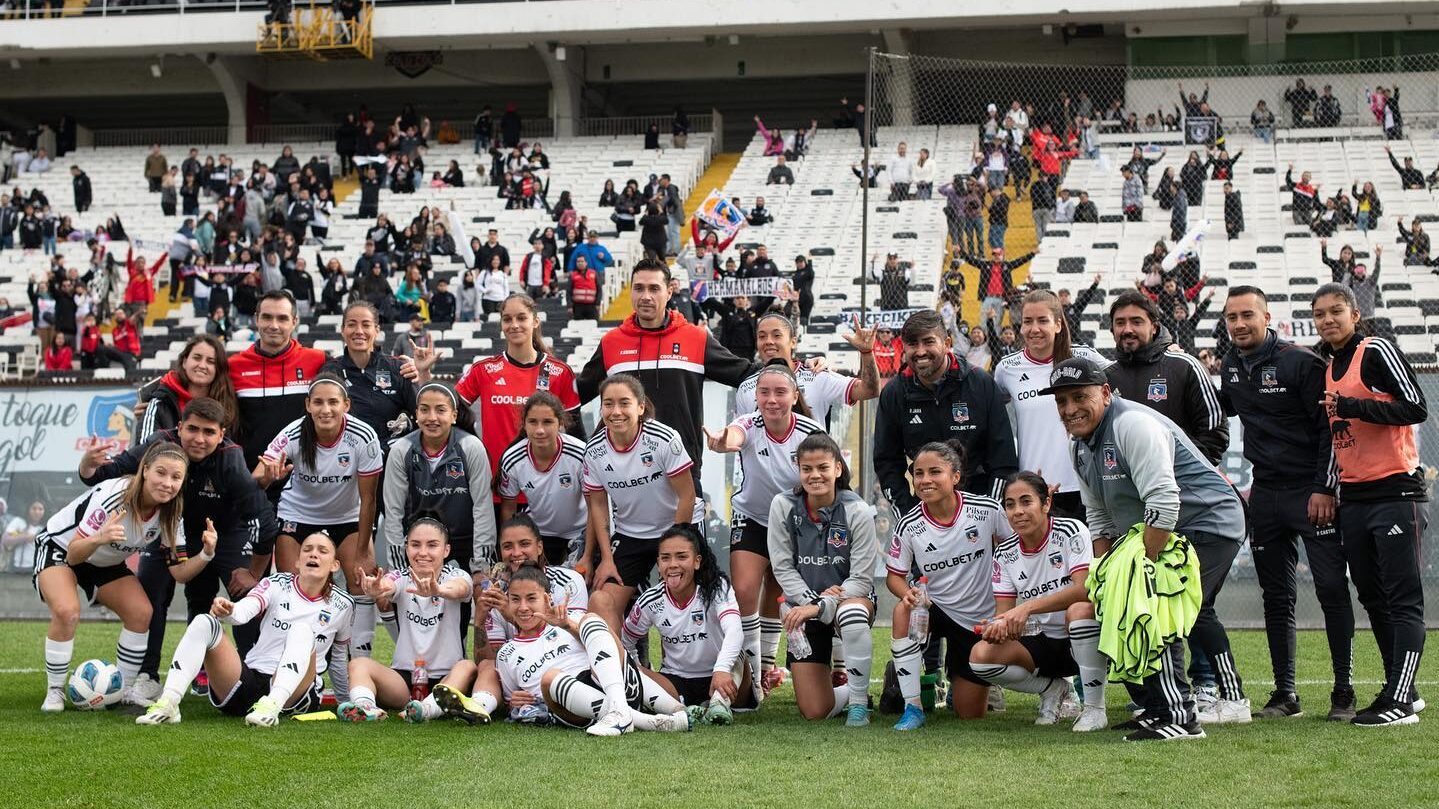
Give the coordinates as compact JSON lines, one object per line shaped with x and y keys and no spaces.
{"x":891,"y":701}
{"x":1341,"y":705}
{"x":1166,"y":733}
{"x":1386,"y":712}
{"x":1130,"y":724}
{"x":1280,"y":705}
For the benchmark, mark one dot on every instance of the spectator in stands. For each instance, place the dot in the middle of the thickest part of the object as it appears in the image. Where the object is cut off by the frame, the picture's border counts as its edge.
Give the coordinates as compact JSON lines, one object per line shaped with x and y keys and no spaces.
{"x":469,"y":295}
{"x":628,"y":207}
{"x":888,"y":352}
{"x":1221,"y":166}
{"x":998,"y":217}
{"x":30,"y":235}
{"x":183,"y":246}
{"x":1416,"y":243}
{"x":246,"y":300}
{"x":585,"y":285}
{"x":652,"y":137}
{"x":679,"y":128}
{"x":1085,"y":211}
{"x":1368,"y":208}
{"x":1326,"y":219}
{"x":1131,"y":196}
{"x":1262,"y":120}
{"x":1233,"y":211}
{"x":759,"y":215}
{"x":894,"y":280}
{"x":1341,"y":269}
{"x":1164,"y":191}
{"x":1191,"y":179}
{"x":780,"y":174}
{"x":1074,"y":310}
{"x":1366,"y":285}
{"x":58,"y":355}
{"x":1305,"y":196}
{"x":1178,"y":213}
{"x":1327,"y":111}
{"x":1410,"y":178}
{"x":1139,"y":165}
{"x":797,"y":143}
{"x":417,"y":337}
{"x":1063,"y":207}
{"x":410,"y":293}
{"x":490,"y":249}
{"x":737,"y":327}
{"x":218,"y":325}
{"x":1184,"y":324}
{"x":996,"y":280}
{"x":84,"y":194}
{"x":494,"y":283}
{"x":125,"y":334}
{"x":652,"y":232}
{"x":773,"y":139}
{"x":1385,"y":106}
{"x":608,"y":196}
{"x":443,"y":305}
{"x":1042,"y":207}
{"x":169,"y":192}
{"x":156,"y":168}
{"x":596,"y":255}
{"x":1052,"y":161}
{"x":19,"y":539}
{"x":901,"y":173}
{"x":1300,"y":99}
{"x":802,"y":280}
{"x":441,"y":242}
{"x":537,"y":271}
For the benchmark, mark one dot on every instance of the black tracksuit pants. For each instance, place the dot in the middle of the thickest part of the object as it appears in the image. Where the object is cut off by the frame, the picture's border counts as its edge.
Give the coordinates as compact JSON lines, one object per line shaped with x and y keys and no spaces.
{"x":1381,"y":542}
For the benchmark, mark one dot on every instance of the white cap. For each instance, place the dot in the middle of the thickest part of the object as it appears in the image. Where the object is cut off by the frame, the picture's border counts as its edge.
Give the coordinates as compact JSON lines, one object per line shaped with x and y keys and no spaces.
{"x":991,"y":108}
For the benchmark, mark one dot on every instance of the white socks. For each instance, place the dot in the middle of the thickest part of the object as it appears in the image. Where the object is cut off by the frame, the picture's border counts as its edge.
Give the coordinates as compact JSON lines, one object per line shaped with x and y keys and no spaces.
{"x":57,"y":661}
{"x":1016,"y":678}
{"x":657,"y":699}
{"x":295,"y":662}
{"x":752,"y":643}
{"x":430,"y":708}
{"x":605,"y":659}
{"x":1093,"y":666}
{"x":362,"y":631}
{"x":577,"y":698}
{"x":841,"y":701}
{"x":908,"y":662}
{"x":363,"y":697}
{"x":130,"y":653}
{"x":202,"y":635}
{"x":488,"y":701}
{"x":391,"y":622}
{"x":769,"y":632}
{"x":854,"y":635}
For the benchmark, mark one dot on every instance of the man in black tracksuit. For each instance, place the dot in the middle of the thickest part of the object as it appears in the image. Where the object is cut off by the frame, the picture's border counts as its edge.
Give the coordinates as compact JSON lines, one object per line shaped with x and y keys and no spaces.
{"x":1275,"y":388}
{"x":218,"y":487}
{"x":1171,"y":382}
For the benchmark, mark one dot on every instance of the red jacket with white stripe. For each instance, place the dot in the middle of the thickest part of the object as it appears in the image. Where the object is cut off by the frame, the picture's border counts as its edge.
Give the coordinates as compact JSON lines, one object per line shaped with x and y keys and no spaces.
{"x":271,"y":392}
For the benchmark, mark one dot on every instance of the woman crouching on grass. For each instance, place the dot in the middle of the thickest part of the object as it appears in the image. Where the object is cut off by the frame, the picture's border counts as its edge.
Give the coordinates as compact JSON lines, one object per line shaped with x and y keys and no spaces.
{"x":426,"y":597}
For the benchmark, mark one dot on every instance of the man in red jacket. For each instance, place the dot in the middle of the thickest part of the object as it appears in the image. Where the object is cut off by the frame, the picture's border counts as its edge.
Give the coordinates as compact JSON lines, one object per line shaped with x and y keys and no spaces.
{"x":140,"y":290}
{"x":584,"y":290}
{"x":126,"y":336}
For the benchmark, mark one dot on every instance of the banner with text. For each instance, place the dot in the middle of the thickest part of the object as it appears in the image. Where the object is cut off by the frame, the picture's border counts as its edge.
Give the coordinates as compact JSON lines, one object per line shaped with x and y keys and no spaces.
{"x":876,"y":318}
{"x":766,"y":287}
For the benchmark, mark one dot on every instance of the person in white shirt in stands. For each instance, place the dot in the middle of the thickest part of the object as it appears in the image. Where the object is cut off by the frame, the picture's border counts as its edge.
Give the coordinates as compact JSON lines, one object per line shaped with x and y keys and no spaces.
{"x":19,"y":539}
{"x":494,"y":284}
{"x":924,"y":176}
{"x":1020,"y":120}
{"x":40,"y":163}
{"x":901,"y":174}
{"x":1064,"y":207}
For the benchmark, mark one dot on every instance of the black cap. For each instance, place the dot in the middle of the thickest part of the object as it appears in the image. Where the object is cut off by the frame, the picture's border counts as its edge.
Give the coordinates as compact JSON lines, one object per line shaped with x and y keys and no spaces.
{"x":1075,"y":372}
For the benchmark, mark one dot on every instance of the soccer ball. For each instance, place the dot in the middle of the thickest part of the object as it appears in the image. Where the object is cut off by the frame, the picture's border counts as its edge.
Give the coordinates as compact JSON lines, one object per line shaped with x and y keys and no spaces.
{"x":94,"y":685}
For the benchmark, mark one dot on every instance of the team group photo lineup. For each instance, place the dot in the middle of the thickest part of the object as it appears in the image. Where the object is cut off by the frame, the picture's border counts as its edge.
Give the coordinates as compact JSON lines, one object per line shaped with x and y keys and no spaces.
{"x":981,"y":389}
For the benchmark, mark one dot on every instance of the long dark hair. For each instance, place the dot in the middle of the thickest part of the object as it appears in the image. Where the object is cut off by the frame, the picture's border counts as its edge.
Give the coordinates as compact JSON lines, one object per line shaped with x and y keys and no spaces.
{"x":222,"y":389}
{"x":523,"y":521}
{"x":309,"y":438}
{"x":951,"y":451}
{"x":648,"y":411}
{"x":821,"y":442}
{"x":1063,"y":345}
{"x":537,"y":338}
{"x":709,"y":579}
{"x":542,"y":398}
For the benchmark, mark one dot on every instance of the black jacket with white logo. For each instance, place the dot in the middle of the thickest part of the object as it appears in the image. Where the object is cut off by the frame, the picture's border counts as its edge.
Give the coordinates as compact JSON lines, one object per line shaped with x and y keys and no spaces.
{"x":1276,"y":393}
{"x":1175,"y":384}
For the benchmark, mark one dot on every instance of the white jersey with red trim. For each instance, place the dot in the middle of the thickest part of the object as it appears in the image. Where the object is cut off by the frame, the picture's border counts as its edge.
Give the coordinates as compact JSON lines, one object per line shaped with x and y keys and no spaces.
{"x":767,"y":463}
{"x":636,"y":477}
{"x":555,"y":494}
{"x":429,"y":626}
{"x":523,"y":661}
{"x":689,"y":633}
{"x":496,"y":388}
{"x":957,"y":557}
{"x":328,"y":491}
{"x":1043,"y":442}
{"x":282,"y":604}
{"x":826,"y":392}
{"x":566,"y":587}
{"x":1022,"y":575}
{"x":85,"y":515}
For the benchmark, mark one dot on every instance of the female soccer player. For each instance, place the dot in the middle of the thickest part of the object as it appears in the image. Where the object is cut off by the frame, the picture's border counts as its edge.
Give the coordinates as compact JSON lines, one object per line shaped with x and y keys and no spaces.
{"x":443,"y":469}
{"x":766,"y":440}
{"x":380,"y":393}
{"x":573,"y":667}
{"x":546,"y":465}
{"x":333,"y":462}
{"x":694,"y":610}
{"x":638,"y":468}
{"x":86,"y":543}
{"x":1043,"y":444}
{"x":824,"y":391}
{"x":303,"y":616}
{"x":1044,"y":629}
{"x":202,"y":369}
{"x":1373,"y":399}
{"x":951,"y":536}
{"x":823,"y":549}
{"x":425,"y":596}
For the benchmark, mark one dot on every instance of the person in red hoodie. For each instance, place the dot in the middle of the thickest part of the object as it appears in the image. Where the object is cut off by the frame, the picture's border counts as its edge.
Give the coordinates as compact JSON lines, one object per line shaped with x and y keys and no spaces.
{"x":59,"y":356}
{"x":1050,"y":159}
{"x":93,"y":351}
{"x":584,"y":291}
{"x":140,"y":290}
{"x":126,"y":336}
{"x":888,"y":353}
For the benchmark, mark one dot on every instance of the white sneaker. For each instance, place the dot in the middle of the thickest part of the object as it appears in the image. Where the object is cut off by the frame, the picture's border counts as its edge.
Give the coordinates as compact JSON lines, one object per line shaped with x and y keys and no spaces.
{"x":139,"y":692}
{"x":995,"y":703}
{"x":1226,"y":712}
{"x":671,"y":722}
{"x":54,"y":700}
{"x":265,"y":713}
{"x":1050,"y":700}
{"x":1205,"y":695}
{"x":1091,"y":719}
{"x":614,"y":722}
{"x":160,"y":712}
{"x":1071,"y":707}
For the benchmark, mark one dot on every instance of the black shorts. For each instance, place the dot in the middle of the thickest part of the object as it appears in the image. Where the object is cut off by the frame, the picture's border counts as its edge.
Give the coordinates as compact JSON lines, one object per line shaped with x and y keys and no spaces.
{"x":634,"y":559}
{"x":821,"y":641}
{"x":959,"y":641}
{"x":696,"y":691}
{"x":407,"y":676}
{"x":560,"y":551}
{"x":337,"y":531}
{"x":255,"y":684}
{"x":90,"y":577}
{"x":1052,"y":656}
{"x":634,"y":689}
{"x":746,"y":534}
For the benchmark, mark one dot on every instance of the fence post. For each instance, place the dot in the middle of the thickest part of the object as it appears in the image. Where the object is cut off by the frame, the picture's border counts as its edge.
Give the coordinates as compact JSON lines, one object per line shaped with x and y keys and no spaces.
{"x":716,"y":131}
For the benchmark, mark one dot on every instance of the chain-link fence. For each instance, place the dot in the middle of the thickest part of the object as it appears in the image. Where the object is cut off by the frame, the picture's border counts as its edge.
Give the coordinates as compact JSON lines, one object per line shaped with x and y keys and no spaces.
{"x":976,"y":120}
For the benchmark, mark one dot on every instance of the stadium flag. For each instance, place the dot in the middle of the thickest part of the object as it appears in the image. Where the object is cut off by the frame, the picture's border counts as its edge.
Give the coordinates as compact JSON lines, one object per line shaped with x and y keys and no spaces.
{"x":149,"y":244}
{"x":720,"y":215}
{"x":765,"y":287}
{"x":223,"y":269}
{"x":875,"y":318}
{"x":1186,"y":246}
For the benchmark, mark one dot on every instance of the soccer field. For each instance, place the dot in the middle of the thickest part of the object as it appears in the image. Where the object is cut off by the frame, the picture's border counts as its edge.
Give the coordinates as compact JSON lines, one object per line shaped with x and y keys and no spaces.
{"x":772,"y":758}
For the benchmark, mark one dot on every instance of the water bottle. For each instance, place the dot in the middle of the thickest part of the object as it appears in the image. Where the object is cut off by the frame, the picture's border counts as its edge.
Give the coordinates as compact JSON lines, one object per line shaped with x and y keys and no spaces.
{"x":796,"y":640}
{"x":419,"y":681}
{"x":919,"y":616}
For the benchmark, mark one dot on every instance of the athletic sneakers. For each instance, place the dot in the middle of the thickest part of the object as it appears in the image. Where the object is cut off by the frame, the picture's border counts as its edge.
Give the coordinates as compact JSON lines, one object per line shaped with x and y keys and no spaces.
{"x":1071,"y":707}
{"x":201,"y":686}
{"x":1205,"y":695}
{"x":455,"y":704}
{"x":136,"y":698}
{"x":355,"y":712}
{"x":696,"y":713}
{"x":1091,"y":719}
{"x":912,"y":719}
{"x":1226,"y":712}
{"x":856,"y":716}
{"x":54,"y":700}
{"x":996,"y":699}
{"x":1386,"y":712}
{"x":891,"y":701}
{"x":414,"y":712}
{"x":614,"y":722}
{"x":1050,"y":699}
{"x":145,"y":690}
{"x":1342,"y":705}
{"x":1170,"y":732}
{"x":677,"y":722}
{"x":717,"y":713}
{"x":160,"y":712}
{"x":532,"y":714}
{"x":264,"y":714}
{"x":1133,"y":723}
{"x":1281,"y":705}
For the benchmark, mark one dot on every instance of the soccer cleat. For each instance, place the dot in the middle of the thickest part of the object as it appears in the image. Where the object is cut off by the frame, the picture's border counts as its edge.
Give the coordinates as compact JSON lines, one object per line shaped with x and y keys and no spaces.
{"x":1050,"y":700}
{"x":677,"y":722}
{"x":912,"y":719}
{"x":160,"y":712}
{"x":414,"y":712}
{"x":614,"y":722}
{"x":1281,"y":705}
{"x":996,"y":699}
{"x":135,"y":697}
{"x":890,"y":699}
{"x":772,"y":679}
{"x":1386,"y":712}
{"x":1226,"y":712}
{"x":355,"y":712}
{"x":856,"y":716}
{"x":54,"y":700}
{"x":696,"y":713}
{"x":201,"y":686}
{"x":1071,"y":707}
{"x":145,"y":688}
{"x":838,"y":678}
{"x":1170,"y":732}
{"x":717,"y":714}
{"x":1091,"y":719}
{"x":1342,"y":705}
{"x":455,"y":704}
{"x":264,"y":714}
